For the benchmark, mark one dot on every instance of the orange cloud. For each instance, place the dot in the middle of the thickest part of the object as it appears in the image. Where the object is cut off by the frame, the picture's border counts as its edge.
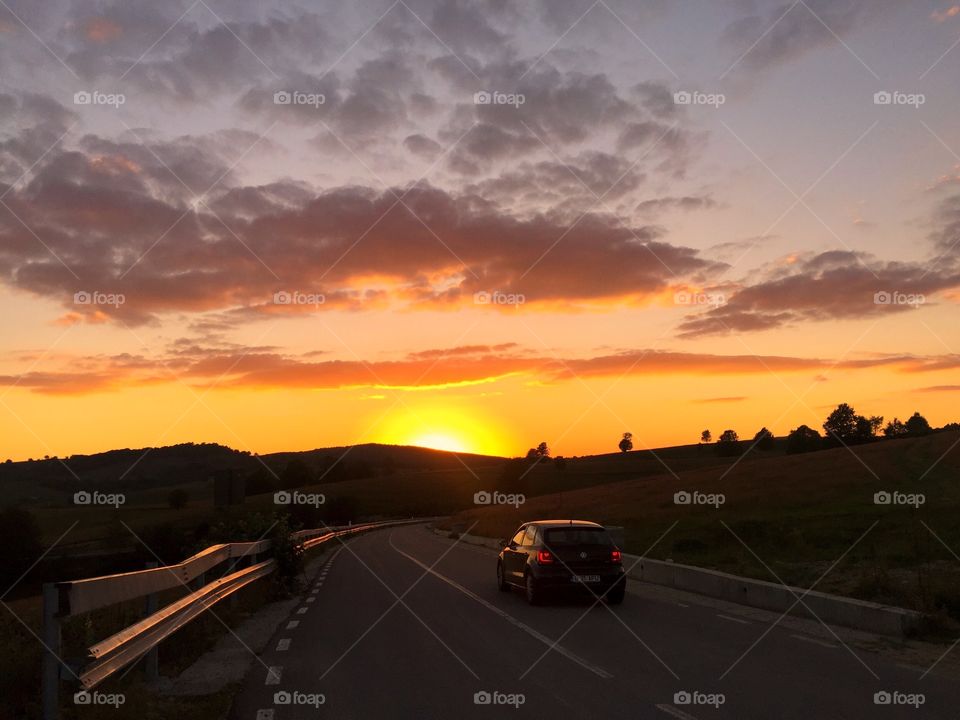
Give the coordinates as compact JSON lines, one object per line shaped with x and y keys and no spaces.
{"x":101,"y":30}
{"x":944,"y":15}
{"x":265,"y":368}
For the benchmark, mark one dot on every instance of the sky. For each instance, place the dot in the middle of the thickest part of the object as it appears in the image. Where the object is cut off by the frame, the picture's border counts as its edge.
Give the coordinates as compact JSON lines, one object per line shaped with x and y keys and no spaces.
{"x":473,"y":224}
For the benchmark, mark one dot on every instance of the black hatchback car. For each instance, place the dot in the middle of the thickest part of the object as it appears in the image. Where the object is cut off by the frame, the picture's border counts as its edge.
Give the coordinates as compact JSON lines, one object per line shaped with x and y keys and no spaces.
{"x":545,"y":556}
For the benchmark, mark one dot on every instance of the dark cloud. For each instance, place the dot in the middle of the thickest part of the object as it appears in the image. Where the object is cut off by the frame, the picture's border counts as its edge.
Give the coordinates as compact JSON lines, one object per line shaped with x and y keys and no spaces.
{"x":684,"y":203}
{"x":422,"y":146}
{"x":576,"y":183}
{"x":834,"y":285}
{"x":778,"y":32}
{"x":114,"y":217}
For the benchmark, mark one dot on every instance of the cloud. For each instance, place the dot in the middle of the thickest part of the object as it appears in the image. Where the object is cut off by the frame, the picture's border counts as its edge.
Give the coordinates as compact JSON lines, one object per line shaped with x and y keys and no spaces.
{"x":574,"y":182}
{"x":684,"y":203}
{"x":223,"y":365}
{"x":123,"y":218}
{"x":944,"y":15}
{"x":833,"y":285}
{"x":782,"y":32}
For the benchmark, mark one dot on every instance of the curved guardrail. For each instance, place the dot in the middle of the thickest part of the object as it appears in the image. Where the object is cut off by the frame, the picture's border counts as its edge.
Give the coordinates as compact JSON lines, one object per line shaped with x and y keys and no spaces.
{"x":65,"y":599}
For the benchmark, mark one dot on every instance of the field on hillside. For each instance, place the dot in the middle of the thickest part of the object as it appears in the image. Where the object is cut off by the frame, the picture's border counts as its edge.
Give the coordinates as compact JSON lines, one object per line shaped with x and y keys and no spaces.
{"x":789,"y":517}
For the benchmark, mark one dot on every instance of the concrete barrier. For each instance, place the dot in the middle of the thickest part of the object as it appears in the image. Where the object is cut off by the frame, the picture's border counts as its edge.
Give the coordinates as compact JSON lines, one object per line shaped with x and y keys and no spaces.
{"x":831,"y":609}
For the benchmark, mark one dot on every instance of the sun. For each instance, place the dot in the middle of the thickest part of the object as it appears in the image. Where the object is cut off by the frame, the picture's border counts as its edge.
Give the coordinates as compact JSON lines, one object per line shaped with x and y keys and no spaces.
{"x":440,"y":441}
{"x":443,"y":428}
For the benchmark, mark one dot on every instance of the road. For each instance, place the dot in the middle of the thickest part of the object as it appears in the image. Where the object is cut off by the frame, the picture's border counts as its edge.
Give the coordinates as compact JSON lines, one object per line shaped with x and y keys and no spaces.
{"x":405,"y":624}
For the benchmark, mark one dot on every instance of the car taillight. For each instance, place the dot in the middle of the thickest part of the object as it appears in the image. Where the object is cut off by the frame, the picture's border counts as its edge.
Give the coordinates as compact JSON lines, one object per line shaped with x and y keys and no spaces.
{"x":544,"y":557}
{"x":615,"y":556}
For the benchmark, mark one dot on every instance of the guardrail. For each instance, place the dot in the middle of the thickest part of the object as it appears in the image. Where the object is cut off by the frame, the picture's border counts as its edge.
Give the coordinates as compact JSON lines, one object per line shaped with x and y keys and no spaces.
{"x":65,"y":599}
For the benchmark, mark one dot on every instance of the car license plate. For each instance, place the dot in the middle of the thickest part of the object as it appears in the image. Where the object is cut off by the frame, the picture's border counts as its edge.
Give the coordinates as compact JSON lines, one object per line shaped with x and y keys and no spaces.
{"x":585,"y":578}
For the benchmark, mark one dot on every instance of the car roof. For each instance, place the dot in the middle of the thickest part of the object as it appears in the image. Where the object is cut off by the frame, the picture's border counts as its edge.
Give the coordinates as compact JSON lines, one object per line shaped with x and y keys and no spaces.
{"x":564,"y":523}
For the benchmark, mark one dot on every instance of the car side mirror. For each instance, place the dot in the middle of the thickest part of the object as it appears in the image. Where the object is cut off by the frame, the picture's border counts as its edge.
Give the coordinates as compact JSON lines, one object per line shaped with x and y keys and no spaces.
{"x":512,"y":545}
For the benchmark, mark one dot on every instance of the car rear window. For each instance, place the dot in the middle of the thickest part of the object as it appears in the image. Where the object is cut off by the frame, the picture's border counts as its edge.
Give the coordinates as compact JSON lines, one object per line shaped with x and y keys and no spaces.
{"x":577,"y":536}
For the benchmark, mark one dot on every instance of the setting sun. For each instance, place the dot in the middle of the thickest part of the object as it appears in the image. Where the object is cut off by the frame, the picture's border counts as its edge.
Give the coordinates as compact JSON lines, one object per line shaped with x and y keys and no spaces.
{"x":440,"y":441}
{"x":441,"y":428}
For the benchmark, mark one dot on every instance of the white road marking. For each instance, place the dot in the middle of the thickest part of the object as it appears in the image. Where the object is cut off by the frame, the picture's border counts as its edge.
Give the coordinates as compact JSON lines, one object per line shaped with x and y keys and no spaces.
{"x":273,"y":675}
{"x":682,"y":604}
{"x":302,"y":610}
{"x":284,"y":644}
{"x":733,"y":619}
{"x":822,"y":643}
{"x":508,"y":617}
{"x":292,"y":624}
{"x":671,"y":710}
{"x":265,"y":714}
{"x":311,"y":599}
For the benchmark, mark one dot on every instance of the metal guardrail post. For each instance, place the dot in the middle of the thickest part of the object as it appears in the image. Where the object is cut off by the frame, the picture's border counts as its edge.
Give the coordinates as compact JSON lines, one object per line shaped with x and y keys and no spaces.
{"x":152,"y":659}
{"x":51,"y":655}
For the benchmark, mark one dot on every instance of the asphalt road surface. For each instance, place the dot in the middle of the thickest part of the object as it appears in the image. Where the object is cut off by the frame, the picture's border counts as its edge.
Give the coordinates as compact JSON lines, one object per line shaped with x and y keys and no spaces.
{"x":404,"y":624}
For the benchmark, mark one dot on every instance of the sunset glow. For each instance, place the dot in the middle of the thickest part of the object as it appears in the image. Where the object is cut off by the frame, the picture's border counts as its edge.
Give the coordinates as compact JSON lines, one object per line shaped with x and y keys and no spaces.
{"x":515,"y":234}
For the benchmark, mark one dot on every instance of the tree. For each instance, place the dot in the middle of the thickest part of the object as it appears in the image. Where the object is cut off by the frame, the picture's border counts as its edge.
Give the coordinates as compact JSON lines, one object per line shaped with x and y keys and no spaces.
{"x":728,"y":444}
{"x":706,"y":437}
{"x":841,"y":423}
{"x":803,"y":439}
{"x":845,"y":426}
{"x":626,"y":443}
{"x":539,"y":452}
{"x":949,"y":427}
{"x":763,"y":440}
{"x":867,"y":427}
{"x":894,"y":429}
{"x":177,"y":499}
{"x":917,"y":425}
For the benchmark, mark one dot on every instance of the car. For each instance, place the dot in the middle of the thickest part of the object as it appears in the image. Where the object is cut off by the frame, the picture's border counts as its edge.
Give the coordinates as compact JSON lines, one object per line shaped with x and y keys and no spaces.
{"x":547,"y":556}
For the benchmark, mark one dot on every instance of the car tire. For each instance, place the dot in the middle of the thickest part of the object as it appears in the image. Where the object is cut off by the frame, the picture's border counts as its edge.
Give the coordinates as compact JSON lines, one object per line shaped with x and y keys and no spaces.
{"x":502,"y":584}
{"x":616,"y":594}
{"x":533,"y":593}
